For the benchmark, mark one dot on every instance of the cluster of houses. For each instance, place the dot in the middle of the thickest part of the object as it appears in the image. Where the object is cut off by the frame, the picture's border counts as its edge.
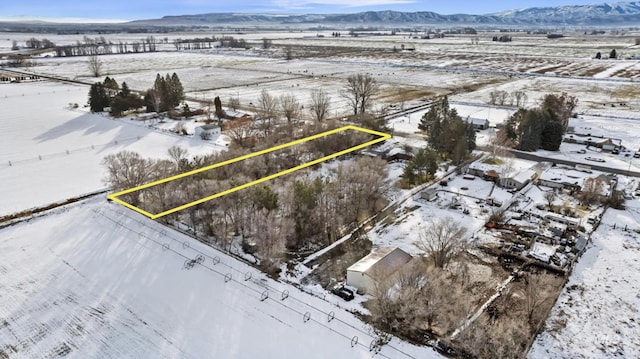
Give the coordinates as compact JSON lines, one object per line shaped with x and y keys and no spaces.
{"x":199,"y":125}
{"x":504,"y":177}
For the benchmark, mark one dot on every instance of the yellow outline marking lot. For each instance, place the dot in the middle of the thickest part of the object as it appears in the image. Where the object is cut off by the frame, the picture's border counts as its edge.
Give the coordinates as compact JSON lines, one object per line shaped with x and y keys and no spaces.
{"x":114,"y":196}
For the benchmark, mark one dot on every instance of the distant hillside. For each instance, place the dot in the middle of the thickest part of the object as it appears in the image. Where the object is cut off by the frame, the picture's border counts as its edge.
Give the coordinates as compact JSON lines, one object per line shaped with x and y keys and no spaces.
{"x":590,"y":15}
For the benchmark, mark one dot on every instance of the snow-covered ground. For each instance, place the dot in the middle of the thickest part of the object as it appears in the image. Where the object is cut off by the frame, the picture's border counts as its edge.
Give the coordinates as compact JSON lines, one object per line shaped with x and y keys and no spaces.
{"x":51,"y":152}
{"x":598,"y":313}
{"x":95,"y":280}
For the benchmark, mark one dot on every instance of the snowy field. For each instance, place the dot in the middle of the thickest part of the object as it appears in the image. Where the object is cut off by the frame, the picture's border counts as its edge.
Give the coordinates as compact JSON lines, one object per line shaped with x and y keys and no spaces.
{"x":598,"y":313}
{"x":51,"y":153}
{"x":94,"y":280}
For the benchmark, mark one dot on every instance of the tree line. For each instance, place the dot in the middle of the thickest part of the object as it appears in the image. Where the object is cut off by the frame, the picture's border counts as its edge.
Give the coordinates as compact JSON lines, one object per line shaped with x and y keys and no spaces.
{"x":166,"y":93}
{"x":100,"y":46}
{"x":210,"y":42}
{"x":542,"y":127}
{"x":293,"y":214}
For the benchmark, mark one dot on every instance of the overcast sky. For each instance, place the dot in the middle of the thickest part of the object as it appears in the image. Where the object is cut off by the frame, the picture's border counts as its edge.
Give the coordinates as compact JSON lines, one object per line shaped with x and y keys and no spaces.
{"x":146,"y":9}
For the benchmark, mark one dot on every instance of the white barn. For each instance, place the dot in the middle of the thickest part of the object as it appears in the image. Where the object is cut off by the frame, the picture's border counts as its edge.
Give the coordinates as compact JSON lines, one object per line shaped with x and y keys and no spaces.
{"x":376,"y":266}
{"x":207,"y":131}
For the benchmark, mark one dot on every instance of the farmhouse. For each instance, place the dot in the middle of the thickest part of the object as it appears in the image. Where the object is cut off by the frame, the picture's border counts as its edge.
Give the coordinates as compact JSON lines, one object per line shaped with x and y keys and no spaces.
{"x":478,"y":123}
{"x":480,"y":169}
{"x":376,"y":266}
{"x":207,"y":131}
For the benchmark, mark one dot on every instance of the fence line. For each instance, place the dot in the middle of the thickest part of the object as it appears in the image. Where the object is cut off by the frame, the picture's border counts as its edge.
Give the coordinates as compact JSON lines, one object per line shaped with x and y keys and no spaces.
{"x":65,"y":153}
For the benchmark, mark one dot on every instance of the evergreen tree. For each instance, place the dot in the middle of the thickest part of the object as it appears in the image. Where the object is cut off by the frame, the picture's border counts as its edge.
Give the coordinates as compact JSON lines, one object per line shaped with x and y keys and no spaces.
{"x":174,"y":89}
{"x":471,"y":137}
{"x":120,"y":104}
{"x":111,"y":85}
{"x":530,"y":130}
{"x":218,"y":105}
{"x":422,"y":167}
{"x":186,"y":111}
{"x":551,"y":136}
{"x":125,"y":91}
{"x":98,"y":98}
{"x":161,"y":93}
{"x":447,"y":132}
{"x":263,"y":197}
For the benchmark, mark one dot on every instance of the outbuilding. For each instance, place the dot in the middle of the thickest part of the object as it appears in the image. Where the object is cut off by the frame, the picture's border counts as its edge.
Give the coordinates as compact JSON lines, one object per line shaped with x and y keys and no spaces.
{"x":376,"y":266}
{"x":207,"y":132}
{"x":429,"y":194}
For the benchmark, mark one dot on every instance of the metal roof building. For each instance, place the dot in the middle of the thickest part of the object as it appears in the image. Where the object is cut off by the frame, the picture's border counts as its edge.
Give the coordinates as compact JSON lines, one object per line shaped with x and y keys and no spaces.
{"x":376,"y":266}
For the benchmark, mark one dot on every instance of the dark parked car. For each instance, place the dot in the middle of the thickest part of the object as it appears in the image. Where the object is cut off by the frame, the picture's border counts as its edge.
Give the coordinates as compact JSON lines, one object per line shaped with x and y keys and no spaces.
{"x":342,"y":292}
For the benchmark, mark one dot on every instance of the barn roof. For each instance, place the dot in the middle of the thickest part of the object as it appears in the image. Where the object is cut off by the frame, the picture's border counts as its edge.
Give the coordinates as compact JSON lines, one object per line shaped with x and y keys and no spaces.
{"x":381,"y":262}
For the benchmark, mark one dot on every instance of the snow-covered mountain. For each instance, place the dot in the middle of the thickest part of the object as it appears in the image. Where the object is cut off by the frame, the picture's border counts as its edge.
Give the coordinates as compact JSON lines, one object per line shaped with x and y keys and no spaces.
{"x":607,"y":13}
{"x":603,"y":14}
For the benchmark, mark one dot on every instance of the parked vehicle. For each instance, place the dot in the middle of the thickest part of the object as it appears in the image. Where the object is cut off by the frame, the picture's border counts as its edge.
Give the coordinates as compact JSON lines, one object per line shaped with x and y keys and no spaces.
{"x":343,"y":292}
{"x":594,"y":159}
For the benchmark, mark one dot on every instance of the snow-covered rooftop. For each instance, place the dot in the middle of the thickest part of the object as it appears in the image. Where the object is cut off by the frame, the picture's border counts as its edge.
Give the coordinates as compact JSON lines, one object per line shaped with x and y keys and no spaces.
{"x":382,"y":261}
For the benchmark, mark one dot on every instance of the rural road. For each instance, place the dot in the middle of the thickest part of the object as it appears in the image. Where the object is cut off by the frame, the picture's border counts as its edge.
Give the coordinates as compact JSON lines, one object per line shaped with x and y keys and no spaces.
{"x":533,"y":157}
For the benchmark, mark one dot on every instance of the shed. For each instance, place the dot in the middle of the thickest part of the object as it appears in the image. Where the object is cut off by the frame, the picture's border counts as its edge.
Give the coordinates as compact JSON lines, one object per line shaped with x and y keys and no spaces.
{"x":207,"y":131}
{"x":376,"y":266}
{"x":429,"y":194}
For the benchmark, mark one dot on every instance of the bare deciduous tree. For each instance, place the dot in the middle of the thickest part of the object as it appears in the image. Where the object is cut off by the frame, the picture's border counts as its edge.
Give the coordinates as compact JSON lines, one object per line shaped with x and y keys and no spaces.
{"x":320,"y":102}
{"x":234,"y":103}
{"x":442,"y":239}
{"x":125,"y":170}
{"x":359,"y":92}
{"x":94,"y":62}
{"x":550,"y":196}
{"x":289,"y":106}
{"x":520,"y":97}
{"x":267,"y":106}
{"x":241,"y":132}
{"x":271,"y":231}
{"x":591,"y":190}
{"x":502,"y":98}
{"x":288,"y":53}
{"x":178,"y":155}
{"x":535,"y":295}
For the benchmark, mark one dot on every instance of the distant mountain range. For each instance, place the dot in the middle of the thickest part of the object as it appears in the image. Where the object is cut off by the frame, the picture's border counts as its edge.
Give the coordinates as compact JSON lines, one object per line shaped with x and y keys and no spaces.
{"x":621,"y":13}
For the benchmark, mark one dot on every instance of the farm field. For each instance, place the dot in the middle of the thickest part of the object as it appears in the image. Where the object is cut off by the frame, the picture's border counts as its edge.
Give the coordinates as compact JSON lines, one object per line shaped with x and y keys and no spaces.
{"x":67,"y":302}
{"x":52,"y":152}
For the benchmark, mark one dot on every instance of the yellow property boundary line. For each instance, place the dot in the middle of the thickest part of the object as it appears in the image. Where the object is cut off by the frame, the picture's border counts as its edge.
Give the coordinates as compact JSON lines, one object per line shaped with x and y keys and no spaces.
{"x":114,"y":196}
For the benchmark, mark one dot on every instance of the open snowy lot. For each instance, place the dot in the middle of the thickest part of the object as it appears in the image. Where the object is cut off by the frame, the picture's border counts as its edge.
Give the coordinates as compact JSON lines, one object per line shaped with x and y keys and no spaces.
{"x":94,"y":280}
{"x":598,"y":313}
{"x":51,"y":152}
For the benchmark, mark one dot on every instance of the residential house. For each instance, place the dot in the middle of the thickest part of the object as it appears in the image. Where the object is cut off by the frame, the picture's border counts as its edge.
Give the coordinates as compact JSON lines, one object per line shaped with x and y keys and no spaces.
{"x":478,"y":123}
{"x":518,"y":180}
